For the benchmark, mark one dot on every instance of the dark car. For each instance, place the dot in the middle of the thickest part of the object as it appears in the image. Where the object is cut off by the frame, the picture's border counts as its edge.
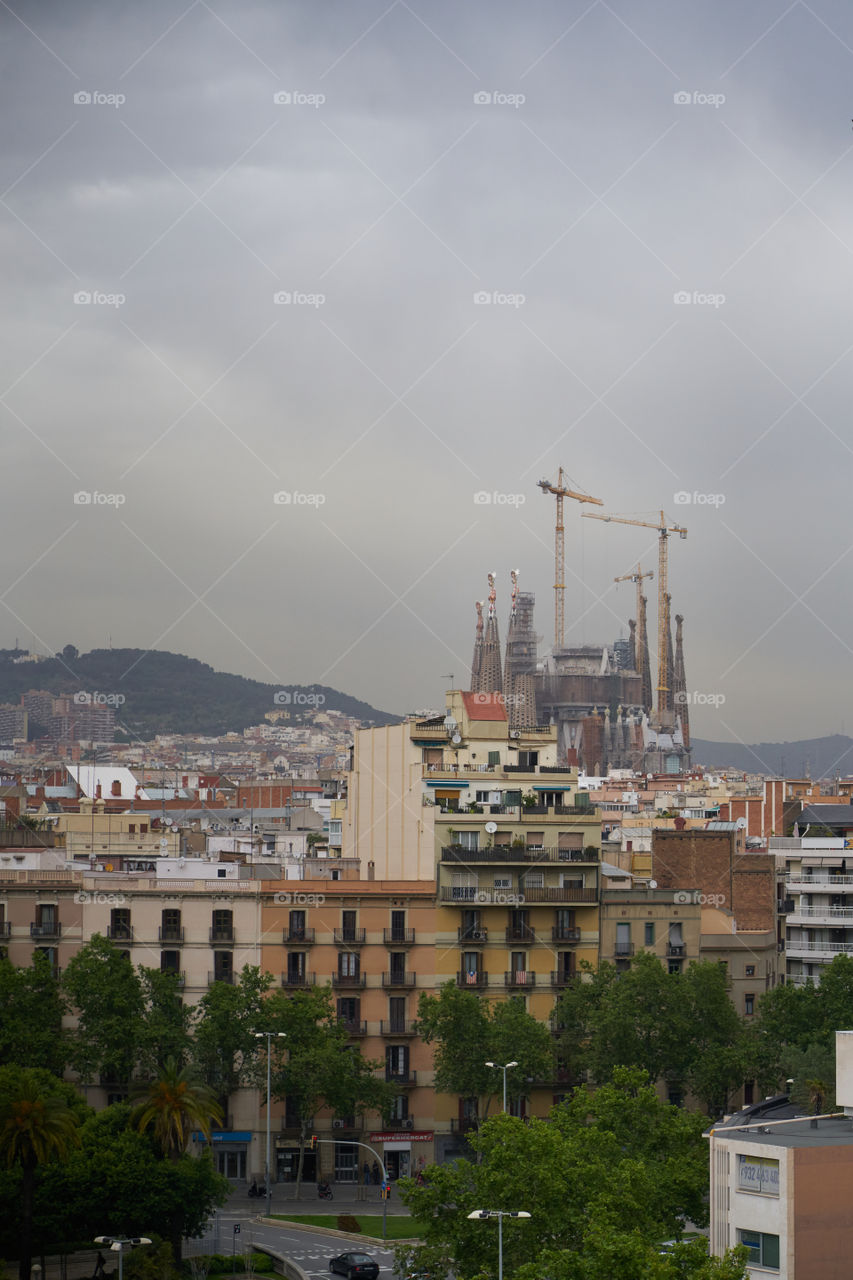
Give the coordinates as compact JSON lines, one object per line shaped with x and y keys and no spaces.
{"x":355,"y":1264}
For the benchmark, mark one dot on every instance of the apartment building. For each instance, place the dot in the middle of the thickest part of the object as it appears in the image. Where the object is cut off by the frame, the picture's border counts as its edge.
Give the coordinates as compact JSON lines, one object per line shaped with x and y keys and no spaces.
{"x":816,"y":897}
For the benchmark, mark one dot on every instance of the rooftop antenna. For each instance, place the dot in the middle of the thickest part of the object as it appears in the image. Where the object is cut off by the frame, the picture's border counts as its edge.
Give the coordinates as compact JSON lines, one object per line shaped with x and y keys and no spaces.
{"x":450,"y":678}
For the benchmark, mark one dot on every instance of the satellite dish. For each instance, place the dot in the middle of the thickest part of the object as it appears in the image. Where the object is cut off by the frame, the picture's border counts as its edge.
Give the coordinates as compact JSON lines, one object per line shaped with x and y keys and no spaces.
{"x":653,"y":884}
{"x":740,"y":824}
{"x":169,"y":821}
{"x":456,"y":739}
{"x":491,"y":827}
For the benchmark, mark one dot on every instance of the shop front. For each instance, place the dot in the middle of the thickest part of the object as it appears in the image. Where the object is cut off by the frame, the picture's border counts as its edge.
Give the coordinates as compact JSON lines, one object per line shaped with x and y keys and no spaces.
{"x":287,"y":1162}
{"x":230,"y":1151}
{"x":404,"y":1154}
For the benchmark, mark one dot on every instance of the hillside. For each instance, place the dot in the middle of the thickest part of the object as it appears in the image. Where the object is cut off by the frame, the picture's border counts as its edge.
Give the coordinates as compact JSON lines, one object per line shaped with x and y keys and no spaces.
{"x":812,"y":757}
{"x":170,"y":693}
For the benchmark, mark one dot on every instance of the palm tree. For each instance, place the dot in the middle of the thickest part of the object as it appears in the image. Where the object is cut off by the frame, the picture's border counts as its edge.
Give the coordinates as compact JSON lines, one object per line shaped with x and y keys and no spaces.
{"x":34,"y":1128}
{"x":172,"y":1106}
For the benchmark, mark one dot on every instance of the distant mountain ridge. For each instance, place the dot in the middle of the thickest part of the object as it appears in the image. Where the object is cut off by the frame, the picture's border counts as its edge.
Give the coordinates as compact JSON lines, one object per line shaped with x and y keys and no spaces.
{"x":171,"y":693}
{"x":809,"y":757}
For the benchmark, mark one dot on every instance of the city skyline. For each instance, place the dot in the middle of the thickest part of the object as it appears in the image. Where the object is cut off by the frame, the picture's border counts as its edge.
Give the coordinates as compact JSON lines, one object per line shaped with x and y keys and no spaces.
{"x":305,"y":305}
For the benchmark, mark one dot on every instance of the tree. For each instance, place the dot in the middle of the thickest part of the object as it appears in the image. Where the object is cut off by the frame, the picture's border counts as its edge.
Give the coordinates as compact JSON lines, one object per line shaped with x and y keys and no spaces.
{"x":105,"y":992}
{"x":468,"y":1032}
{"x":31,"y":1008}
{"x":642,"y":1020}
{"x":172,"y":1106}
{"x":613,"y":1173}
{"x":36,"y":1126}
{"x":573,"y":1018}
{"x":226,"y":1019}
{"x":315,"y":1066}
{"x":165,"y":1031}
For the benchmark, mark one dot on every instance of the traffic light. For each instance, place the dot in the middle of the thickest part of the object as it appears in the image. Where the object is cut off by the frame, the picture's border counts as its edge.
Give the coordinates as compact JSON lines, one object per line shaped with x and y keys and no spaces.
{"x":313,"y":1142}
{"x":386,"y":1190}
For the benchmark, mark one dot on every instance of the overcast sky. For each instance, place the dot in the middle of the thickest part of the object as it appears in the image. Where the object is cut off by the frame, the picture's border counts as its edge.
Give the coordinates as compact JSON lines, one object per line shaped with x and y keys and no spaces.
{"x":148,"y":166}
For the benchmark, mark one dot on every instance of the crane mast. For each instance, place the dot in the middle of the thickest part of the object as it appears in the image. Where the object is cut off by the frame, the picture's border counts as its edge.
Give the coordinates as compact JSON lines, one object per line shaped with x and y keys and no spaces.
{"x":663,"y":530}
{"x":560,"y":492}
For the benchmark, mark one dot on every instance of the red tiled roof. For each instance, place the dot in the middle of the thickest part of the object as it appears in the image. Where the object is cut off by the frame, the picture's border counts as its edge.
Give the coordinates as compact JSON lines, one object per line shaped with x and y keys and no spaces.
{"x":485,"y":706}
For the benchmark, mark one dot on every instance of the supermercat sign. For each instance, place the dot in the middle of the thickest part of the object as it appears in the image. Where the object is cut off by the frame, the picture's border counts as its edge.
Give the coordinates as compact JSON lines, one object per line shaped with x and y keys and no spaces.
{"x":396,"y":1135}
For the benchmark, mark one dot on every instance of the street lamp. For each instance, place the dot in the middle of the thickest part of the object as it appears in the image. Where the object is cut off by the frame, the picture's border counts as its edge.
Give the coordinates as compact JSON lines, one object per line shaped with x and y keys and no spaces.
{"x":259,"y":1035}
{"x":504,"y":1070}
{"x":117,"y":1244}
{"x":500,"y":1214}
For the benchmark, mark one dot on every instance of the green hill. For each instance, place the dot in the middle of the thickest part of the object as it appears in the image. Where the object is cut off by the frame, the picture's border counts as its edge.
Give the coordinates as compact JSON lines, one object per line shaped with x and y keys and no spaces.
{"x":170,"y":693}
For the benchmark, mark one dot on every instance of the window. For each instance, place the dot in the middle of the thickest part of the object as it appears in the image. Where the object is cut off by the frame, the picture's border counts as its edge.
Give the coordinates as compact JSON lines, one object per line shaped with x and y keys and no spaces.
{"x":623,"y":939}
{"x":397,"y":960}
{"x":494,"y":757}
{"x":399,"y":1109}
{"x":170,"y":925}
{"x":518,"y":965}
{"x":468,"y":840}
{"x":348,"y":965}
{"x":565,"y":964}
{"x":296,"y":924}
{"x":348,"y":922}
{"x":503,"y":882}
{"x":750,"y":971}
{"x":398,"y":926}
{"x":533,"y":880}
{"x":674,"y":966}
{"x":296,"y":966}
{"x":170,"y":961}
{"x":649,"y":933}
{"x":536,"y":839}
{"x":749,"y":1003}
{"x":222,"y":927}
{"x":120,"y":924}
{"x":763,"y":1249}
{"x":131,"y":829}
{"x":758,"y":1174}
{"x":470,"y":966}
{"x":349,"y":1009}
{"x":397,"y":1013}
{"x":223,"y":966}
{"x":397,"y":1062}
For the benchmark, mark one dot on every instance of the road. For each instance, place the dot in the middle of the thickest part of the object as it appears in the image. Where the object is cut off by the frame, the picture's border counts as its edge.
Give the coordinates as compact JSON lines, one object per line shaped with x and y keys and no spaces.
{"x":307,"y":1248}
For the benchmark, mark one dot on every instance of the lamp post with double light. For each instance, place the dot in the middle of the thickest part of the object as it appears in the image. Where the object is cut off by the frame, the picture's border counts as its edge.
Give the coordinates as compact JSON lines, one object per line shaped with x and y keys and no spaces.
{"x":500,"y":1214}
{"x":270,"y":1036}
{"x":117,"y":1245}
{"x":504,"y":1069}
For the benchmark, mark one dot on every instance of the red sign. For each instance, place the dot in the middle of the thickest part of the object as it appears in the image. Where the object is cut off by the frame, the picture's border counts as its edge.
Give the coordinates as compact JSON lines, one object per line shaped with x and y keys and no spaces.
{"x":397,"y":1135}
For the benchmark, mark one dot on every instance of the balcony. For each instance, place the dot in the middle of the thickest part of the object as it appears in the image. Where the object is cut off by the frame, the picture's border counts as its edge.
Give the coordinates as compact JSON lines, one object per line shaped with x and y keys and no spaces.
{"x":473,"y":979}
{"x":175,"y":936}
{"x":291,"y":980}
{"x":397,"y":1027}
{"x":476,"y":936}
{"x":349,"y":937}
{"x":349,"y":979}
{"x":181,"y":976}
{"x":398,"y":937}
{"x":400,"y":1122}
{"x":353,"y":1027}
{"x":520,"y":933}
{"x":811,"y":884}
{"x":622,"y":949}
{"x":394,"y":979}
{"x":120,"y":932}
{"x":222,"y":937}
{"x":565,"y":934}
{"x":5,"y":929}
{"x":562,"y":893}
{"x":809,"y":950}
{"x":226,"y":976}
{"x":840,"y":917}
{"x":51,"y":930}
{"x":561,"y":977}
{"x":676,"y":950}
{"x":400,"y":1077}
{"x":520,"y":978}
{"x":297,"y":937}
{"x":466,"y":1125}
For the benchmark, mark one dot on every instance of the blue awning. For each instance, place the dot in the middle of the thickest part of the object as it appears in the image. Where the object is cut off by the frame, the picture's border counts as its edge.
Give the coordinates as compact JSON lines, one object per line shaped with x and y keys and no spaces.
{"x":553,"y":787}
{"x":223,"y":1135}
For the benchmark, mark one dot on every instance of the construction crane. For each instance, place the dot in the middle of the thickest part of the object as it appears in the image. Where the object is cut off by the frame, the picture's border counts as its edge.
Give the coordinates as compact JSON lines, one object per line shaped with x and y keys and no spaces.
{"x":560,"y":492}
{"x":664,"y":530}
{"x":638,"y":576}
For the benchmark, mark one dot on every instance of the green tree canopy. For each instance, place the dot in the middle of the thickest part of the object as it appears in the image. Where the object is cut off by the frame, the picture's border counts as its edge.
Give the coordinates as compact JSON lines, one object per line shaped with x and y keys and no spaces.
{"x":105,"y":992}
{"x":468,"y":1032}
{"x":226,"y":1019}
{"x":31,"y":1009}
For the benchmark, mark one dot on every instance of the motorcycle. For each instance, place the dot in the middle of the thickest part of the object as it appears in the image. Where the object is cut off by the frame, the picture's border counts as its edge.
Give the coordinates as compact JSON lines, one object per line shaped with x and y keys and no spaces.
{"x":324,"y":1191}
{"x":255,"y":1190}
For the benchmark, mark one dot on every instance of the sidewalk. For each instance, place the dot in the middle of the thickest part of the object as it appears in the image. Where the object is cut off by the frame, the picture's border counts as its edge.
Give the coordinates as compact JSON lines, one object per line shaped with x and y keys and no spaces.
{"x":349,"y":1197}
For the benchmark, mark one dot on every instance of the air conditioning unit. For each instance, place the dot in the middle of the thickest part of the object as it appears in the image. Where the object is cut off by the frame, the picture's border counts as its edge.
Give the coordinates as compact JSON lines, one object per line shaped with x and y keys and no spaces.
{"x":478,"y":935}
{"x":409,"y":1124}
{"x":515,"y":733}
{"x":338,"y":1124}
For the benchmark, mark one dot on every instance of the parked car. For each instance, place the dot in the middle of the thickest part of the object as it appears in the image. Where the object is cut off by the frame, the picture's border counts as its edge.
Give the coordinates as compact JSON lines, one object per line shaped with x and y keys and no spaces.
{"x":354,"y":1265}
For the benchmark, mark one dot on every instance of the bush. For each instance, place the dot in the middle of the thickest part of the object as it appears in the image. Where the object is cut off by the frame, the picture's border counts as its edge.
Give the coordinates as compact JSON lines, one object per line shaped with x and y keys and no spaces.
{"x":346,"y":1222}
